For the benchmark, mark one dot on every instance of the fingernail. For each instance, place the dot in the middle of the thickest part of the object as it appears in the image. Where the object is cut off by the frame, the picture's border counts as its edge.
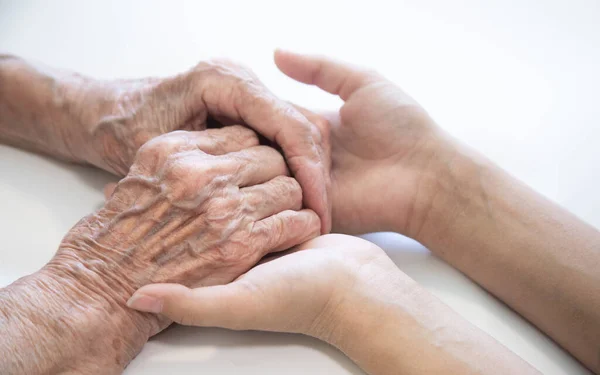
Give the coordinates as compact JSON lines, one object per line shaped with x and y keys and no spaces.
{"x":145,"y":303}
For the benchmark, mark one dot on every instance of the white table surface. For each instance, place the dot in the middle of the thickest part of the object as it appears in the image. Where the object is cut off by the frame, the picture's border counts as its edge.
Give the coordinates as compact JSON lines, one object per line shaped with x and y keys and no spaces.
{"x":516,"y":79}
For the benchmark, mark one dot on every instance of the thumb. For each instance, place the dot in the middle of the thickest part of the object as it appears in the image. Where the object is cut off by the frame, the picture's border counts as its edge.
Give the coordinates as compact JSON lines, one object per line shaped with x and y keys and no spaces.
{"x":333,"y":76}
{"x":232,"y":306}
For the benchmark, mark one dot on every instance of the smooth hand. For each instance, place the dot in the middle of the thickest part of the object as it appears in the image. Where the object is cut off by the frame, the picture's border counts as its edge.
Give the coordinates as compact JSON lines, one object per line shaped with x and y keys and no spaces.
{"x":385,"y":148}
{"x":345,"y":291}
{"x":306,"y":291}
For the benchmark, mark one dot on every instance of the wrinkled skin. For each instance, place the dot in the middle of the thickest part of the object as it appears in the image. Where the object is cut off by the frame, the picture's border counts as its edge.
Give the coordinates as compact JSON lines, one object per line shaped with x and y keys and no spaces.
{"x":228,"y":92}
{"x":104,"y":123}
{"x":379,"y":138}
{"x":197,"y":208}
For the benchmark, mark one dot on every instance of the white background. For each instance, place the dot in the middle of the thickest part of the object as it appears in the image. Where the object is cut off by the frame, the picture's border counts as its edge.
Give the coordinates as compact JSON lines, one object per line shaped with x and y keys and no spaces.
{"x":518,"y":80}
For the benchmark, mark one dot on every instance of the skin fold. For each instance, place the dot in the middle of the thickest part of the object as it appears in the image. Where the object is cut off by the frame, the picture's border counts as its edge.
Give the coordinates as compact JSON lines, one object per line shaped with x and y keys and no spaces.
{"x":104,"y":123}
{"x":196,"y":207}
{"x":416,"y":180}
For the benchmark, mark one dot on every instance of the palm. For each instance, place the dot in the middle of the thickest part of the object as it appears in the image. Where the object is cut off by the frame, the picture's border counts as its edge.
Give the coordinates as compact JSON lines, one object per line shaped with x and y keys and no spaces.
{"x":380,"y":144}
{"x":372,"y":140}
{"x":315,"y":272}
{"x":300,"y":276}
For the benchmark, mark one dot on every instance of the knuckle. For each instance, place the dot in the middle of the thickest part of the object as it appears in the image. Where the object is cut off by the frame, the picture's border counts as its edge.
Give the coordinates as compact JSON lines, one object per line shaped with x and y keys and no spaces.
{"x":164,"y":144}
{"x":243,"y":136}
{"x":221,"y":62}
{"x":278,"y":227}
{"x":260,"y":232}
{"x":176,"y":167}
{"x":186,"y":175}
{"x":224,"y":67}
{"x":150,"y":148}
{"x":221,"y":211}
{"x":210,"y":66}
{"x":257,"y":199}
{"x":287,"y":186}
{"x":213,"y":143}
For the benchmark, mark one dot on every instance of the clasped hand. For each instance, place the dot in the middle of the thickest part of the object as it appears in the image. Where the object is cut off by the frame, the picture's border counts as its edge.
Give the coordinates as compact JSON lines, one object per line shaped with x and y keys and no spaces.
{"x":197,"y":208}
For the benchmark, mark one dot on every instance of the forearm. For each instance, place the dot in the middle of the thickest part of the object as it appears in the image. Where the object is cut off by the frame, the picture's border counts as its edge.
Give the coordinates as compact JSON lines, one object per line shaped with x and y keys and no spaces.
{"x":48,"y":110}
{"x":53,"y":323}
{"x":532,"y":254}
{"x":412,"y":332}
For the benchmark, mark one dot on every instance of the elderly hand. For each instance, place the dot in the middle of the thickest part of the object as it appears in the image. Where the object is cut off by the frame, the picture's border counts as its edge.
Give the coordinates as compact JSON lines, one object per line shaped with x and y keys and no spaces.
{"x":385,"y":149}
{"x":104,"y":123}
{"x":197,"y":208}
{"x":141,"y":110}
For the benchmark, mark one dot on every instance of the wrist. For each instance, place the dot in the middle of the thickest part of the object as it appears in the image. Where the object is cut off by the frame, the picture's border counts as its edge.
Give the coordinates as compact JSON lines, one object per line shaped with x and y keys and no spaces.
{"x":367,"y":320}
{"x":92,"y":103}
{"x":369,"y":290}
{"x":107,"y":333}
{"x":446,"y":189}
{"x":53,"y":323}
{"x":40,"y":108}
{"x":110,"y":111}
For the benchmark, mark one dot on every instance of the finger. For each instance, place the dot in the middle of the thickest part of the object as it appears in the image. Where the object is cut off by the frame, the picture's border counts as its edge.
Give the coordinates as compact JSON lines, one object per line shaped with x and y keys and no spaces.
{"x":109,"y":189}
{"x":252,"y":102}
{"x":323,"y":125}
{"x":280,"y":194}
{"x":313,"y":117}
{"x":224,"y":140}
{"x":335,"y":77}
{"x":286,"y":229}
{"x":155,"y":152}
{"x":257,"y":165}
{"x":230,"y":306}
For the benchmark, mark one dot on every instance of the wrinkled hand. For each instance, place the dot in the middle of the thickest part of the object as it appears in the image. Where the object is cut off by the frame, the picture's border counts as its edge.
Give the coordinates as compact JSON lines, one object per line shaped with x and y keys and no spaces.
{"x":385,"y":148}
{"x":197,"y":208}
{"x":306,"y":291}
{"x":126,"y":114}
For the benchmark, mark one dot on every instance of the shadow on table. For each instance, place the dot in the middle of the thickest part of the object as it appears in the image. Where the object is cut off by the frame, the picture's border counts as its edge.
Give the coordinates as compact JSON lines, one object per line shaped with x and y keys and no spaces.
{"x":180,"y":349}
{"x":53,"y":182}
